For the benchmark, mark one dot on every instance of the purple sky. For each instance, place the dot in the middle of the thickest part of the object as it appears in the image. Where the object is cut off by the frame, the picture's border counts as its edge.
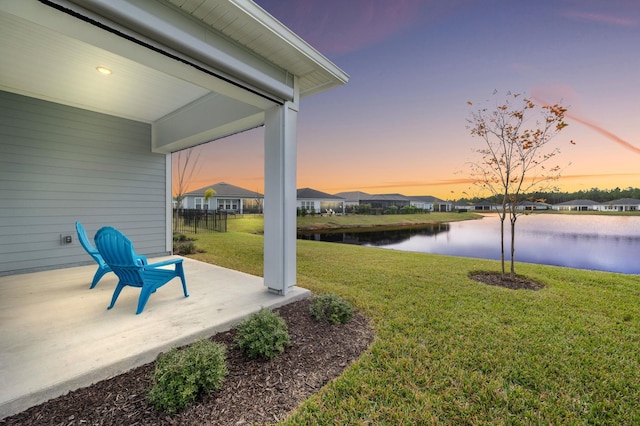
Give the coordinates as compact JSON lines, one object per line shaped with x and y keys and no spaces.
{"x":399,"y":125}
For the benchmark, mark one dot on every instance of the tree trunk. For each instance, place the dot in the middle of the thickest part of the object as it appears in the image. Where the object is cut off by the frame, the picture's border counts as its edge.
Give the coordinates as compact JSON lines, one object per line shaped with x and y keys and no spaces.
{"x":503,"y":217}
{"x":513,"y":247}
{"x":502,"y":245}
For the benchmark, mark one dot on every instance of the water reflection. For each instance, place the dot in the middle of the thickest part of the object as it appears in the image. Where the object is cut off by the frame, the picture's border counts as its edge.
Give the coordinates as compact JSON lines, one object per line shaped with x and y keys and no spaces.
{"x":374,"y":238}
{"x":607,"y":243}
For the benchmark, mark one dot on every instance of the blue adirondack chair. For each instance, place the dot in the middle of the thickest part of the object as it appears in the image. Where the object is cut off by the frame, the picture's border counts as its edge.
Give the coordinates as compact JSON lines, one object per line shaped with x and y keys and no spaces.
{"x":117,"y":251}
{"x":103,"y":268}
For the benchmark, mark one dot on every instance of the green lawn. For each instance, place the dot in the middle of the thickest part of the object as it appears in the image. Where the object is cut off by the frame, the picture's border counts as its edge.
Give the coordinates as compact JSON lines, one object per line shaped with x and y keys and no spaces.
{"x":449,"y":350}
{"x":328,"y":222}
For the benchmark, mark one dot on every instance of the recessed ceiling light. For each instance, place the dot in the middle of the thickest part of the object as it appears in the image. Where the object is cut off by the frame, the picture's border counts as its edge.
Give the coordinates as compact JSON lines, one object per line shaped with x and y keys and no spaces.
{"x":104,"y":70}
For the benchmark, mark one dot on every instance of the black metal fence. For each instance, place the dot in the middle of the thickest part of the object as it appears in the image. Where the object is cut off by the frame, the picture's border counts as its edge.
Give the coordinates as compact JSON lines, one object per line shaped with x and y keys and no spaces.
{"x":199,"y":221}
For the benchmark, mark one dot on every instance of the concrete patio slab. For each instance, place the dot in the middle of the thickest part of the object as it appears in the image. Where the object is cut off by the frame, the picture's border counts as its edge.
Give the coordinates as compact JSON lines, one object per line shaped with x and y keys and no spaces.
{"x":57,"y":335}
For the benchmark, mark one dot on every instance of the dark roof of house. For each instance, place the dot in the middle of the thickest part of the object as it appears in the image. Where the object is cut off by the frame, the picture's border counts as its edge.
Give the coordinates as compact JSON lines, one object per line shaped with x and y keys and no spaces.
{"x":313,"y":194}
{"x":224,"y":189}
{"x":353,"y":195}
{"x":625,"y":201}
{"x":387,"y":197}
{"x":484,"y":202}
{"x":425,"y":199}
{"x":578,"y":203}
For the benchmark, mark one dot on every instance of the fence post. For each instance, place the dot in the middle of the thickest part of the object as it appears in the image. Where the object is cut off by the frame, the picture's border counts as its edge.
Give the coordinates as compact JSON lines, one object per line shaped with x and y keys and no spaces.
{"x":195,"y":221}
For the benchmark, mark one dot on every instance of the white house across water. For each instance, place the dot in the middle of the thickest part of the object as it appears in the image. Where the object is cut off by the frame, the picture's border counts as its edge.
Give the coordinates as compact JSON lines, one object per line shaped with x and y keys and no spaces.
{"x":227,"y":197}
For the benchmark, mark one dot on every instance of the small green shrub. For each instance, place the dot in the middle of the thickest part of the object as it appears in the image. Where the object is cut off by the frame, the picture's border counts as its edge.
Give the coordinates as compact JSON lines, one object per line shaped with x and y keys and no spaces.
{"x":187,"y":247}
{"x":331,"y":307}
{"x":179,"y":237}
{"x":183,"y":244}
{"x":181,"y":375}
{"x":391,"y":210}
{"x":263,"y":335}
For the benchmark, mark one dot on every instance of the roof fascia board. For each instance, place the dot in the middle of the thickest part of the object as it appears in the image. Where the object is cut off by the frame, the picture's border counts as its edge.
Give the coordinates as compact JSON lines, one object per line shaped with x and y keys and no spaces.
{"x":286,"y":35}
{"x":168,"y":27}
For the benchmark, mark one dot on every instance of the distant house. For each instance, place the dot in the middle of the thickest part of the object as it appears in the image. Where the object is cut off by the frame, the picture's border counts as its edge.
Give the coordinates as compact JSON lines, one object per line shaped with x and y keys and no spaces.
{"x":352,"y":198}
{"x":484,"y":205}
{"x":533,"y":205}
{"x":228,"y":197}
{"x":430,"y":203}
{"x":313,"y":201}
{"x":384,"y":201}
{"x":620,"y":205}
{"x":576,"y":205}
{"x":464,"y":206}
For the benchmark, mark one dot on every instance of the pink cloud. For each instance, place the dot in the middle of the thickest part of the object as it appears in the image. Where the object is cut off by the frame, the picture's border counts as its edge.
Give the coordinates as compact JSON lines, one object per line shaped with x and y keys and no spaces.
{"x":601,"y":18}
{"x":342,"y":26}
{"x":560,"y":92}
{"x":600,"y":176}
{"x":411,"y":184}
{"x":338,"y":26}
{"x":541,"y":97}
{"x":611,"y":136}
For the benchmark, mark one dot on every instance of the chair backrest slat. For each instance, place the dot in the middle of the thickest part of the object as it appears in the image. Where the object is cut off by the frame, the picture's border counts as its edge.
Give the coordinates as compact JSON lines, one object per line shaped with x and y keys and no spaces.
{"x":117,"y":250}
{"x":82,"y":237}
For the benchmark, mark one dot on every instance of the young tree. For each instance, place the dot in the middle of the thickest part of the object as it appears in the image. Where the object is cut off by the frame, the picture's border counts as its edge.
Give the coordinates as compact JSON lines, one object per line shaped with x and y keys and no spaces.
{"x":184,"y":165}
{"x":516,"y":157}
{"x":208,"y":194}
{"x":259,"y":202}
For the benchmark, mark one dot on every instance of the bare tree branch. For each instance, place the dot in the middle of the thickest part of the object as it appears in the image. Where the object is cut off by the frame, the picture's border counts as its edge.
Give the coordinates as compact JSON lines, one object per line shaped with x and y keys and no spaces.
{"x":185,"y":164}
{"x":515,"y":159}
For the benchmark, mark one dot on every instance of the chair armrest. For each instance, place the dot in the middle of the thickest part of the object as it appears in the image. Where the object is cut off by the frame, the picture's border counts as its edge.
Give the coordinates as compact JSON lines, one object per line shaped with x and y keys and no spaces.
{"x":165,"y":263}
{"x":142,"y":259}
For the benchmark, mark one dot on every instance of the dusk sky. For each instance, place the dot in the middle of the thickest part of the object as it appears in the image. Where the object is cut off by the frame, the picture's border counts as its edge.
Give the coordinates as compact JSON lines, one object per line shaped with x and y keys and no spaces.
{"x":399,"y":124}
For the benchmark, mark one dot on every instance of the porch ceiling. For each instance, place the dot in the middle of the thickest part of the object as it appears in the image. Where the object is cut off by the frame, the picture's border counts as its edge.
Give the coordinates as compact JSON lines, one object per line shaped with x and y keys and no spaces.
{"x":45,"y":64}
{"x":52,"y":55}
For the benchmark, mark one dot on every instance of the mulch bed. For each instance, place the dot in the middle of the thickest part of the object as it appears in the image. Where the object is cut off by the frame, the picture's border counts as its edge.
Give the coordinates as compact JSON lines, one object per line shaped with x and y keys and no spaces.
{"x":519,"y":282}
{"x":254,"y":392}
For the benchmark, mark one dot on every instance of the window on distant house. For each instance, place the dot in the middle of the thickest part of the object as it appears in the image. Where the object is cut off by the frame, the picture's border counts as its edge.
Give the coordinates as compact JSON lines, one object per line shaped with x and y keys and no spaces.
{"x":229,"y":204}
{"x":201,"y":204}
{"x":308,"y":205}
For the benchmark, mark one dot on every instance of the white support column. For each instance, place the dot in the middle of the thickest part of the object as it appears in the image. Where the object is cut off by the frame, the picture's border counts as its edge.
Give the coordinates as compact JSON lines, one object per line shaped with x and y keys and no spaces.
{"x":168,"y":240}
{"x":280,"y":197}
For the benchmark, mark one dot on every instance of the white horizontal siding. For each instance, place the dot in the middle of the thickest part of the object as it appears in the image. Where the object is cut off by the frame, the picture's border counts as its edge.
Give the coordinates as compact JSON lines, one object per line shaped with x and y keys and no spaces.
{"x":60,"y":164}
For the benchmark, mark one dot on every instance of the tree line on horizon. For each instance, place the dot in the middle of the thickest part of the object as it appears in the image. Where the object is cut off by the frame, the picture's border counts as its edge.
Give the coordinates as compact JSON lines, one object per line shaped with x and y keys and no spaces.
{"x":556,"y":197}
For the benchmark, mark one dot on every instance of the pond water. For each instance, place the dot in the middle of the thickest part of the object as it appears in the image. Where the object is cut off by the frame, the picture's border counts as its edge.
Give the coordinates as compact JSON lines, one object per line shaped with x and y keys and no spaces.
{"x":605,"y":243}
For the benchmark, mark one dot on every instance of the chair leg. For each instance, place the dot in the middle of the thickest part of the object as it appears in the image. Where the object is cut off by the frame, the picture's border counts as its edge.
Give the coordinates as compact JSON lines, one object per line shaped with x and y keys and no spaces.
{"x":180,"y":272}
{"x":145,"y":292}
{"x":116,"y":293}
{"x":99,"y":274}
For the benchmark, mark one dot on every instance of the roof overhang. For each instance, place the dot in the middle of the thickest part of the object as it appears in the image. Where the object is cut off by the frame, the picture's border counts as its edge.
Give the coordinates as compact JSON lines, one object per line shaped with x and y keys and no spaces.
{"x":194,"y":72}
